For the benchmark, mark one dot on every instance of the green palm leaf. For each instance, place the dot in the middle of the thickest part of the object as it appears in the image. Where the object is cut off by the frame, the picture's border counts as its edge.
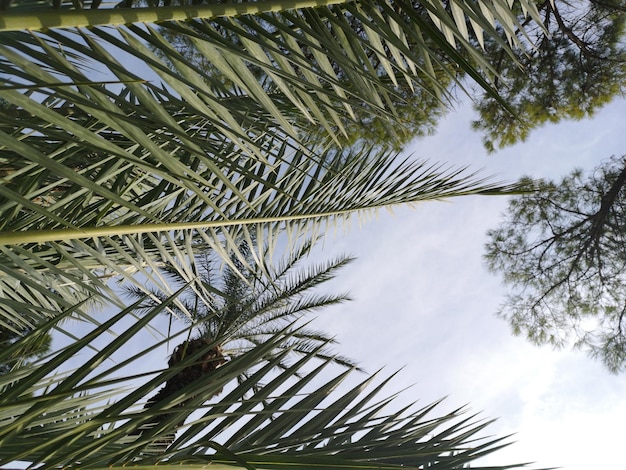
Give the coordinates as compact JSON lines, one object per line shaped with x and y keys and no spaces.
{"x":88,"y":416}
{"x":288,"y":188}
{"x":290,"y":192}
{"x":318,"y":63}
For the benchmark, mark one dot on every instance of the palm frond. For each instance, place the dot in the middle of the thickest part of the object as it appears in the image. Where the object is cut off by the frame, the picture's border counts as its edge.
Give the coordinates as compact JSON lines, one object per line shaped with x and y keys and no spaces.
{"x":248,"y":303}
{"x":294,"y":193}
{"x":300,"y":191}
{"x":87,"y":417}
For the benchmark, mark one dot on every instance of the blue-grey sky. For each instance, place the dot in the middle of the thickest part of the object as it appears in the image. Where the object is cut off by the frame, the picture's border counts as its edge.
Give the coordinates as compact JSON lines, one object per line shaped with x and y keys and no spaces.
{"x":423,"y":300}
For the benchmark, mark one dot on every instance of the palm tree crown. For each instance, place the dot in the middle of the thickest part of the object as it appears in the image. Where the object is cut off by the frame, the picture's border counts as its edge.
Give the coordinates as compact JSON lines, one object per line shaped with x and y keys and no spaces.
{"x":243,"y":302}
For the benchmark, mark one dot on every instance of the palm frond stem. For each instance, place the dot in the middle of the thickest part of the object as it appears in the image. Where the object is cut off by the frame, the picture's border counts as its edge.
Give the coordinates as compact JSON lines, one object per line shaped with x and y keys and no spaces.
{"x":65,"y":234}
{"x":47,"y":19}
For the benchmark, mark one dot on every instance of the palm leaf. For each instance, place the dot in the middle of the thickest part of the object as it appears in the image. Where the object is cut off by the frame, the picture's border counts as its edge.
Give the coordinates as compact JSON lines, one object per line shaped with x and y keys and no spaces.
{"x":341,"y":55}
{"x":275,"y":193}
{"x":88,"y":416}
{"x":293,"y":193}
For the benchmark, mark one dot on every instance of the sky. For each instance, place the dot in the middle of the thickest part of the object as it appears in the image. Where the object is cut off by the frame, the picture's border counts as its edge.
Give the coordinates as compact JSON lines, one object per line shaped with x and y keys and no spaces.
{"x":423,"y":301}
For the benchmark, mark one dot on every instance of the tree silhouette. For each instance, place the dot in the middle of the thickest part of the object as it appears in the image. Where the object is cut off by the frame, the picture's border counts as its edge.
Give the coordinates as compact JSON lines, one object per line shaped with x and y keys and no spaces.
{"x":575,"y":68}
{"x":562,"y":251}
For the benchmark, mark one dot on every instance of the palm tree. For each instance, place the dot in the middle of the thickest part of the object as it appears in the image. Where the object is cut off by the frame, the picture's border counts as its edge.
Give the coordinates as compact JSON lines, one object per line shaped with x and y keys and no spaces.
{"x":301,"y":416}
{"x":247,"y":301}
{"x":237,"y":307}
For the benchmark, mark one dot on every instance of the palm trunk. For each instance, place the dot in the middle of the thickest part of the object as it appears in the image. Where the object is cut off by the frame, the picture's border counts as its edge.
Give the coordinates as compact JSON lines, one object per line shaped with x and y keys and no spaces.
{"x":210,"y":360}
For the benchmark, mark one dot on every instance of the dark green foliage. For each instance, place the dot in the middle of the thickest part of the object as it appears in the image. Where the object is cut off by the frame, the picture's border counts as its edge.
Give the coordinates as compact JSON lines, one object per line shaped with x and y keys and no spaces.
{"x":417,"y":114}
{"x":575,"y":70}
{"x":562,"y":251}
{"x":306,"y":416}
{"x":37,"y":346}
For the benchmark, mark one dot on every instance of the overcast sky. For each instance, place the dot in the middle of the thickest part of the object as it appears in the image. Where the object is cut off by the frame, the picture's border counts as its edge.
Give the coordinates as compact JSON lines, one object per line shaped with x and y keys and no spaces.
{"x":423,"y":300}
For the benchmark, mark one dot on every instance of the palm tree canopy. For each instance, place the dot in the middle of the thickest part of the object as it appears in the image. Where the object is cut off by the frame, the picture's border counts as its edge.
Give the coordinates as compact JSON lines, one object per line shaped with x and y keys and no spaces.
{"x":118,"y":156}
{"x":117,"y":152}
{"x":240,"y":304}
